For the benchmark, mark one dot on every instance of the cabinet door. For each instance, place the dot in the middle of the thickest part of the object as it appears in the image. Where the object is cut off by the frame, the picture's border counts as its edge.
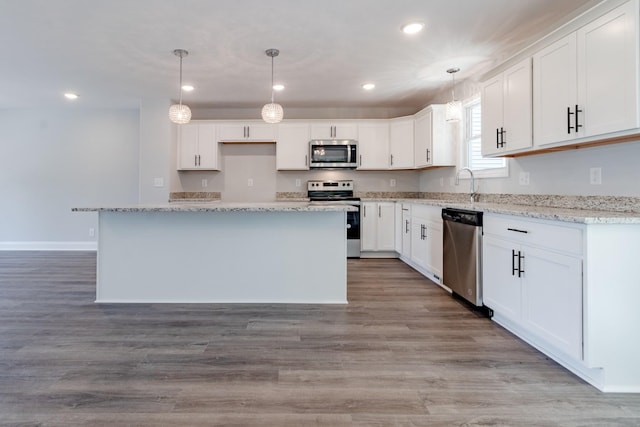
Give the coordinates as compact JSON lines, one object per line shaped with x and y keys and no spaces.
{"x":386,"y":226}
{"x":399,"y":228}
{"x":207,"y":146}
{"x":373,"y":146}
{"x":492,"y":114}
{"x":517,"y":107}
{"x":555,"y":90}
{"x":608,"y":71}
{"x":326,"y":130}
{"x":369,"y":225}
{"x":232,"y":132}
{"x":419,"y":244}
{"x":292,"y":146}
{"x":261,"y":131}
{"x":552,"y":299}
{"x":406,"y":231}
{"x":501,"y":289}
{"x":423,"y":147}
{"x":401,"y":144}
{"x":434,"y":234}
{"x":444,"y":138}
{"x":188,"y":146}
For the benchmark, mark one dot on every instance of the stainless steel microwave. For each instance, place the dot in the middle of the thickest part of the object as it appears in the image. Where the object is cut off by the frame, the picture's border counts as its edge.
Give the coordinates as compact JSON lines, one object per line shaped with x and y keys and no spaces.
{"x":333,"y":154}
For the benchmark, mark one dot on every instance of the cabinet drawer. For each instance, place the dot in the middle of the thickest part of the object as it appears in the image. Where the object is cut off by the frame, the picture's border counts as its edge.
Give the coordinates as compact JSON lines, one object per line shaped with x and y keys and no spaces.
{"x":551,"y":235}
{"x":433,"y":213}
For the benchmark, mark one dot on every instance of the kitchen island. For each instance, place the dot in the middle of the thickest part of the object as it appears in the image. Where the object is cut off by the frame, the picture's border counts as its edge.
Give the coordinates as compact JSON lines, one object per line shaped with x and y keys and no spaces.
{"x":222,"y":253}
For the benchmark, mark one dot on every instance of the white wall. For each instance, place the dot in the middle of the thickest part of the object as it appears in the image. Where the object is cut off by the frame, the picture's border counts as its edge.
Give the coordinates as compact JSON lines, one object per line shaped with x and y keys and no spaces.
{"x":157,"y":151}
{"x":54,"y":159}
{"x":562,"y":173}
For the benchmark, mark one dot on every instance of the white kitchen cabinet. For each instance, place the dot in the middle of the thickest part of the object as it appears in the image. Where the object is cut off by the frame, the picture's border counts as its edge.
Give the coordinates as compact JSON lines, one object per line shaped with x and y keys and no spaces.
{"x":586,"y":84}
{"x":426,"y":239}
{"x":292,"y":146}
{"x":334,"y":130}
{"x":507,"y":111}
{"x":532,"y":276}
{"x":197,"y":147}
{"x":401,"y":149}
{"x":377,"y":226}
{"x":247,"y":131}
{"x":373,"y":145}
{"x":433,"y":142}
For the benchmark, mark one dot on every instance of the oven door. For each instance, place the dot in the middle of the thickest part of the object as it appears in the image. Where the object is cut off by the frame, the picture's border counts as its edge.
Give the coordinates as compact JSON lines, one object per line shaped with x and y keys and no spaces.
{"x":353,"y":234}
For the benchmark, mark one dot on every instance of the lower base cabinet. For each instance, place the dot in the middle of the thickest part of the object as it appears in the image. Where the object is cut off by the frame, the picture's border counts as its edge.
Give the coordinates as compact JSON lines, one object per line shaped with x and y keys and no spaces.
{"x":377,"y":232}
{"x":426,"y":235}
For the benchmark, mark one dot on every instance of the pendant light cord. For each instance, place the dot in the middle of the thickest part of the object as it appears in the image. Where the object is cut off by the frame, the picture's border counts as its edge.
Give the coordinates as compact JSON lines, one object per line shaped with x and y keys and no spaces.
{"x":180,"y":80}
{"x":272,"y":91}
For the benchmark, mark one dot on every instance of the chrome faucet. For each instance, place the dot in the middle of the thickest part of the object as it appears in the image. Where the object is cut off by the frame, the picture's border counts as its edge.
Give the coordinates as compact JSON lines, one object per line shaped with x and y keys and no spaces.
{"x":473,"y":186}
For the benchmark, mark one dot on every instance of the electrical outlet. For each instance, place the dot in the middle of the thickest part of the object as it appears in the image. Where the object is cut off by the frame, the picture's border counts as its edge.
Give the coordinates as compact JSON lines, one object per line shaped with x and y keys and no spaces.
{"x":595,"y":176}
{"x":158,"y":182}
{"x":250,"y":182}
{"x":205,"y":182}
{"x":298,"y":183}
{"x":392,"y":182}
{"x":92,"y":232}
{"x":524,"y":178}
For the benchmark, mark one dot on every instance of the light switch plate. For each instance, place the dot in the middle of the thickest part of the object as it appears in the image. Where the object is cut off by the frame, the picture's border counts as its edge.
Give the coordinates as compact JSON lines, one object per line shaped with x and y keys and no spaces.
{"x":250,"y":182}
{"x":392,"y":182}
{"x":205,"y":182}
{"x":158,"y":182}
{"x":524,"y":178}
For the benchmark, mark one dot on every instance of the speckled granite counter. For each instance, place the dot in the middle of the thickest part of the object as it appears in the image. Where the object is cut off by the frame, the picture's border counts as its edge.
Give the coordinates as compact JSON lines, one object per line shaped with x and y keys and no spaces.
{"x":224,"y":207}
{"x":578,"y":209}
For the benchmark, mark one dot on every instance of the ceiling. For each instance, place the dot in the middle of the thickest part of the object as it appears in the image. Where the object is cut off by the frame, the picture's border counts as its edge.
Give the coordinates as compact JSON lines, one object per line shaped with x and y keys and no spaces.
{"x":115,"y":53}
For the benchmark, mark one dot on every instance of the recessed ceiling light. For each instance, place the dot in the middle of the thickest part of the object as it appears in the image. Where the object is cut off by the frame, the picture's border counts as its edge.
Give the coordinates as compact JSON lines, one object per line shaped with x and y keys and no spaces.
{"x":278,"y":87}
{"x":187,"y":88}
{"x":412,"y":27}
{"x":368,"y":86}
{"x":71,"y":95}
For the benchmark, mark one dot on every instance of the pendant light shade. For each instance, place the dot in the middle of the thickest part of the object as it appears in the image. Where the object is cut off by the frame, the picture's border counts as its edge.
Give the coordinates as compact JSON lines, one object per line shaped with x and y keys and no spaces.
{"x":179,"y":113}
{"x":453,"y":111}
{"x":272,"y":112}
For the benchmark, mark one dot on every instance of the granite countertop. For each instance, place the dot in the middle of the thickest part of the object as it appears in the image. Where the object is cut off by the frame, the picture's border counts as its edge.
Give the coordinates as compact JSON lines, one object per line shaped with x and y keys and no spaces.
{"x":223,"y":207}
{"x":584,"y":216}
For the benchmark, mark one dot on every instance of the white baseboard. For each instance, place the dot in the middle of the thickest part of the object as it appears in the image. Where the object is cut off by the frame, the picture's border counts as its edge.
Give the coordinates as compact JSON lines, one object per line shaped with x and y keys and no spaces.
{"x":48,"y":246}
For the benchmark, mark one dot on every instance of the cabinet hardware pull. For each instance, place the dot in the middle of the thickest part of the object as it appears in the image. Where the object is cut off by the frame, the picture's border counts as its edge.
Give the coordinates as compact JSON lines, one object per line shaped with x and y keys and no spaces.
{"x":364,"y":210}
{"x":428,"y":153}
{"x":569,"y":114}
{"x":306,"y":160}
{"x":520,"y":269}
{"x":517,"y":231}
{"x":406,"y":225}
{"x":198,"y":159}
{"x":379,"y":211}
{"x":497,"y":138}
{"x":392,"y":160}
{"x":195,"y":160}
{"x":513,"y":262}
{"x":502,"y":141}
{"x":578,"y":125}
{"x":360,"y":159}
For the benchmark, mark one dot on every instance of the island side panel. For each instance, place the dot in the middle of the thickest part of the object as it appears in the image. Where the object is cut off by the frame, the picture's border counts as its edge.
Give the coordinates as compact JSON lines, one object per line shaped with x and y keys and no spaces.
{"x":226,"y":257}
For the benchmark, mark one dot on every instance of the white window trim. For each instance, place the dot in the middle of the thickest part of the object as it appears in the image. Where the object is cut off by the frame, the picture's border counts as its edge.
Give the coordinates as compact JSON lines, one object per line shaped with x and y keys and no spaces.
{"x":463,"y":160}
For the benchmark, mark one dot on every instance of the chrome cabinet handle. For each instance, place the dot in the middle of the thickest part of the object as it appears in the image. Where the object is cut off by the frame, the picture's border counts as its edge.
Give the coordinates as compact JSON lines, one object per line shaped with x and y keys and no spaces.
{"x":306,"y":160}
{"x":406,"y":225}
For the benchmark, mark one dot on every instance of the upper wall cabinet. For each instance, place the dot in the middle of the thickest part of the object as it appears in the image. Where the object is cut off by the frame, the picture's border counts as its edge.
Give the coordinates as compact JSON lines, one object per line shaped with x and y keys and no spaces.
{"x":586,"y":84}
{"x":401,"y":143}
{"x":197,"y":146}
{"x":292,"y":148}
{"x":249,"y":131}
{"x":334,"y":130}
{"x":373,"y":145}
{"x":507,"y":111}
{"x":433,"y":141}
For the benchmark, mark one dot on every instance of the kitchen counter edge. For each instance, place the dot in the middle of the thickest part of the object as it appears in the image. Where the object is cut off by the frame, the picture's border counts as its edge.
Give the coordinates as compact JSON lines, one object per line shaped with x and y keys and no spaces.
{"x":223,"y":207}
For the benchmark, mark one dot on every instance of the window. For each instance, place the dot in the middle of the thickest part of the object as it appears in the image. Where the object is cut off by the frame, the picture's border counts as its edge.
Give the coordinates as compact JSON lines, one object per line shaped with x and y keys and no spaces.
{"x":485,"y":167}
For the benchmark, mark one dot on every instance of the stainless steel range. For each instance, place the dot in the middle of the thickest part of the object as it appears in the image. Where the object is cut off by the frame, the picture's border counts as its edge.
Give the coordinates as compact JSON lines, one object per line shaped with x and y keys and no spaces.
{"x":339,"y":192}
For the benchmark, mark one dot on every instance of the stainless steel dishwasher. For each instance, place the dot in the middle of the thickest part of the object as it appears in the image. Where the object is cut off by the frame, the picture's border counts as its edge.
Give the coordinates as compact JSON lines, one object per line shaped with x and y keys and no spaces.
{"x":462,"y":253}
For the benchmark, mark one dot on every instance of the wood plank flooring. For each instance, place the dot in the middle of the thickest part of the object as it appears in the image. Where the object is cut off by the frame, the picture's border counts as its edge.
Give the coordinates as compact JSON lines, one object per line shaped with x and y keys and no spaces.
{"x":402,"y":353}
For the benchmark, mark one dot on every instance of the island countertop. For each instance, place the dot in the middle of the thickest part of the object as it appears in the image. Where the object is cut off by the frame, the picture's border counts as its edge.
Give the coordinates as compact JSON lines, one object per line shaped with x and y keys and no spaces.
{"x":224,"y":207}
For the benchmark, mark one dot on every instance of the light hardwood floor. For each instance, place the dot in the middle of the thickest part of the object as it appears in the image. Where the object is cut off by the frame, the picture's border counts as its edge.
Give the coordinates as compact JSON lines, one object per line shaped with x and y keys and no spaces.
{"x":402,"y":353}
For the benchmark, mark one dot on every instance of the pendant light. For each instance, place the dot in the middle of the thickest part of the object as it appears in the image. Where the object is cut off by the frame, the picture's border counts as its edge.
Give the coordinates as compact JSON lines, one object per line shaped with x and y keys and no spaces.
{"x":453,"y":112}
{"x":272,"y":112}
{"x":179,"y":113}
